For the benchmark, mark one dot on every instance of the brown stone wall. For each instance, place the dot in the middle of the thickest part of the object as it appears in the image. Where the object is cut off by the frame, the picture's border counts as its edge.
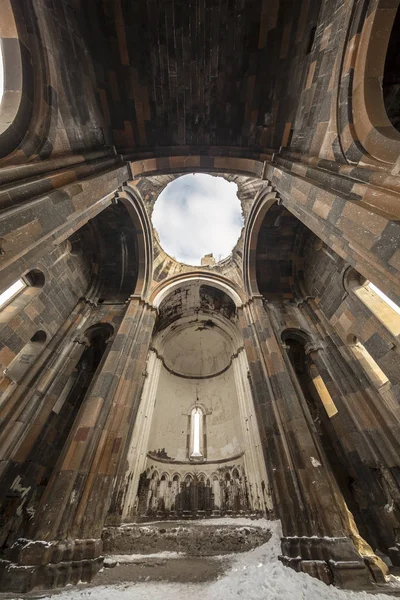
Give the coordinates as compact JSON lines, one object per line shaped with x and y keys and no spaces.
{"x":362,"y":232}
{"x":324,"y":277}
{"x":359,"y":439}
{"x":59,"y":113}
{"x":38,"y":414}
{"x":67,"y":277}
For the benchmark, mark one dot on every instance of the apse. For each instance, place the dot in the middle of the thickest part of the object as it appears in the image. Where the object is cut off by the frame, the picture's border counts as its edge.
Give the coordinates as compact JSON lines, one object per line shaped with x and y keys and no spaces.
{"x":196,"y":455}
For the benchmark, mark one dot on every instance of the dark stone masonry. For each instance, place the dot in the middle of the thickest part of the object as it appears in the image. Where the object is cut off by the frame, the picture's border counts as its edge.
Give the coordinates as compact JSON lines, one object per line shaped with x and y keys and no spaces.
{"x":134,"y":388}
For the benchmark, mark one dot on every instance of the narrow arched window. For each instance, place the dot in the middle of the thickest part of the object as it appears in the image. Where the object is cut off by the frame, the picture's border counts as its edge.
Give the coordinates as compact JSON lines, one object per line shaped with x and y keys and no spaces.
{"x":381,"y":306}
{"x":11,"y":292}
{"x":384,"y":309}
{"x":21,"y":291}
{"x":370,"y":366}
{"x":196,"y":446}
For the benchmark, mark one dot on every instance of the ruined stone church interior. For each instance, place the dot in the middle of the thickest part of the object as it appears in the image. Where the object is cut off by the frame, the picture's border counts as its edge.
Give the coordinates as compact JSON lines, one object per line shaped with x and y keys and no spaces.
{"x":199,"y":299}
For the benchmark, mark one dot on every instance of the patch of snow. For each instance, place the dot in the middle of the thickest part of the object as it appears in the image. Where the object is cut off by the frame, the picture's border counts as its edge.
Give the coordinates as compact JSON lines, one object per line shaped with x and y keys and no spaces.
{"x":26,"y":543}
{"x":126,"y":559}
{"x":254,"y":575}
{"x":238,"y":522}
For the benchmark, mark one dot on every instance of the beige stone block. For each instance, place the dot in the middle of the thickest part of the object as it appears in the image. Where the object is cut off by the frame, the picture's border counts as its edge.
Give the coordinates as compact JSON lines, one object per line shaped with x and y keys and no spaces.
{"x":310,"y":76}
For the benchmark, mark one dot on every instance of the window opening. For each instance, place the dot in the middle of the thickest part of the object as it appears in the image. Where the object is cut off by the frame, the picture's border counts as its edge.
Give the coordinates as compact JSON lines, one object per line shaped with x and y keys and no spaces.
{"x":311,"y":39}
{"x":11,"y":292}
{"x":196,"y":426}
{"x":387,"y":311}
{"x":370,"y":366}
{"x":384,"y":297}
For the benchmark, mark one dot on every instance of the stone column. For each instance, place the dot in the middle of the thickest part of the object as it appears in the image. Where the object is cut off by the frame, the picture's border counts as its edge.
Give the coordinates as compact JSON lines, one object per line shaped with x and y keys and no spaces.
{"x":368,"y":431}
{"x":137,"y":454}
{"x":25,"y":408}
{"x":315,"y":521}
{"x":257,"y":478}
{"x":72,"y":512}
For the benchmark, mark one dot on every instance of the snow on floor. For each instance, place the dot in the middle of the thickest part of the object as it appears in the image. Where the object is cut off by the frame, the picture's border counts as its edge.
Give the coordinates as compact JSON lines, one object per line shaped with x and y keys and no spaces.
{"x":254,"y":575}
{"x":126,"y":559}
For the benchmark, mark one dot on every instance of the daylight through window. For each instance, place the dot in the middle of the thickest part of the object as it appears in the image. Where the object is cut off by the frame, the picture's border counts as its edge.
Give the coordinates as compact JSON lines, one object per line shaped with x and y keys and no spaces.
{"x":12,"y":291}
{"x":380,"y":305}
{"x":196,"y":432}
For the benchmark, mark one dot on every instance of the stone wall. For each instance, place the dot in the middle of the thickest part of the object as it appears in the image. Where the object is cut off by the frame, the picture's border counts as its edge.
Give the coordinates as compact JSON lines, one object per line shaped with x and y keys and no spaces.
{"x":66,"y":279}
{"x":324,"y":278}
{"x":175,"y":398}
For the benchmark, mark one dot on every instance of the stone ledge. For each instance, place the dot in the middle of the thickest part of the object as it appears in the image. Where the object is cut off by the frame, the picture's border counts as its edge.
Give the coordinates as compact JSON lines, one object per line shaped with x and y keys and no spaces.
{"x":26,"y":552}
{"x":190,"y":538}
{"x":23,"y":578}
{"x":334,"y":560}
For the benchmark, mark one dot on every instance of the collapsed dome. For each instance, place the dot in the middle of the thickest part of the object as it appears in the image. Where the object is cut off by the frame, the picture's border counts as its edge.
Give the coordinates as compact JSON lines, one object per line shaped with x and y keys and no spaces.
{"x":198,"y":215}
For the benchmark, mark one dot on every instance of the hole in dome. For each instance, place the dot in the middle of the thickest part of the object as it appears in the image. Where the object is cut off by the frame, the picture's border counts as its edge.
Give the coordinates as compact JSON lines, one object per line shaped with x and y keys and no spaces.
{"x":197,"y":216}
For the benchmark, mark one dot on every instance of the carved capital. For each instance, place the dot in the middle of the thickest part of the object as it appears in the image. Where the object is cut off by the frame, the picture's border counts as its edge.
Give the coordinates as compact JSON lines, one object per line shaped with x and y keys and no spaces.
{"x":313,"y":347}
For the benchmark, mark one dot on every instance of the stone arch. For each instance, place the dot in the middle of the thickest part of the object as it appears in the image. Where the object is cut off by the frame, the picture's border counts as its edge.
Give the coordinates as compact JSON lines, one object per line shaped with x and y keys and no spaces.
{"x":165,"y":288}
{"x":296,"y":334}
{"x":221,"y":161}
{"x":270,"y":259}
{"x":16,"y":103}
{"x":134,"y":204}
{"x":368,"y":130}
{"x":263,"y":202}
{"x":235,"y":473}
{"x":100,"y":328}
{"x":188,"y":478}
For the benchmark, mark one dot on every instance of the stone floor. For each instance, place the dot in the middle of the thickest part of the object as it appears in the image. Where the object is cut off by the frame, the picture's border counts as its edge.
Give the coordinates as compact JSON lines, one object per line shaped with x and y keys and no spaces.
{"x":169,"y":573}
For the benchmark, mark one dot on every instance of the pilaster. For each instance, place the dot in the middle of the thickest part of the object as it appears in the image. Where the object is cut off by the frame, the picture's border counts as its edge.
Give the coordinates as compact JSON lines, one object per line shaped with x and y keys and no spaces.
{"x":315,"y":522}
{"x":78,"y":495}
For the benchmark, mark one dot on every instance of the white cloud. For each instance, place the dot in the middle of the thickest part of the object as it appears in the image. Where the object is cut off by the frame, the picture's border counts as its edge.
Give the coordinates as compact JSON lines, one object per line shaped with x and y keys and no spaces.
{"x":198,"y":214}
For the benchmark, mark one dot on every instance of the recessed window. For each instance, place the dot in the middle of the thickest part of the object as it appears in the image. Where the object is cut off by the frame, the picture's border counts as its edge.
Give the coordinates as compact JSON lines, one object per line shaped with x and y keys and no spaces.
{"x":11,"y":292}
{"x":387,"y":311}
{"x":370,"y":366}
{"x":384,"y":297}
{"x":198,"y":215}
{"x":196,"y":433}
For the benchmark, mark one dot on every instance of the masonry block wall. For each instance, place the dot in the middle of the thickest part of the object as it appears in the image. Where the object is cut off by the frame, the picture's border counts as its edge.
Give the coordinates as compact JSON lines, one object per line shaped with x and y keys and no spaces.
{"x":325,"y":279}
{"x":66,"y":279}
{"x":116,"y":100}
